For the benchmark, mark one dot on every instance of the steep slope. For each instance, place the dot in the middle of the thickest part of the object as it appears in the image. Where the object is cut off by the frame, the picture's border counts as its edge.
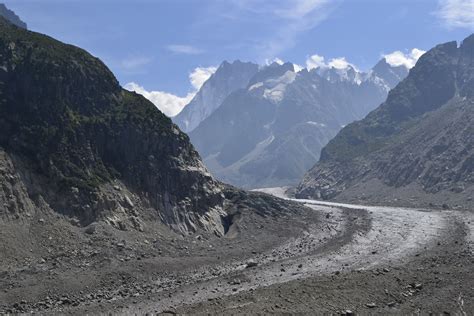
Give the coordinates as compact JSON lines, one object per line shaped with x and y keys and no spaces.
{"x":74,"y":142}
{"x":417,"y":146}
{"x":228,"y":78}
{"x":11,"y":16}
{"x":271,"y":132}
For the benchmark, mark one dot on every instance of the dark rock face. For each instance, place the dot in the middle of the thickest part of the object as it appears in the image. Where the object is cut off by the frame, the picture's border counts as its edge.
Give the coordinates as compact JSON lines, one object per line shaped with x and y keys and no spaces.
{"x":228,"y":78}
{"x":272,"y":132}
{"x":73,"y":141}
{"x":421,"y":136}
{"x":11,"y":16}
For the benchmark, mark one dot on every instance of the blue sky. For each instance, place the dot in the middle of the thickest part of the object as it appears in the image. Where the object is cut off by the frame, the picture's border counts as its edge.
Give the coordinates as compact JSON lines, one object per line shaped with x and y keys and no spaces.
{"x":159,"y":44}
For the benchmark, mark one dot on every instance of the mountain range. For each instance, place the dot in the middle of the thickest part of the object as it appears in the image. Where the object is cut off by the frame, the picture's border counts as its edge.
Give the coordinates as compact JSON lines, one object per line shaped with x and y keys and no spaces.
{"x":270,"y":128}
{"x":417,"y":148}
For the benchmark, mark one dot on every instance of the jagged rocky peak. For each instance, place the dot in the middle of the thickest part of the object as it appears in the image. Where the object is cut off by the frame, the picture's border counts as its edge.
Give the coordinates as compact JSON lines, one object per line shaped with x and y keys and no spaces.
{"x":274,"y":70}
{"x":419,"y":141}
{"x":392,"y":75}
{"x":228,"y":78}
{"x":333,"y":74}
{"x":73,"y":142}
{"x":11,"y":16}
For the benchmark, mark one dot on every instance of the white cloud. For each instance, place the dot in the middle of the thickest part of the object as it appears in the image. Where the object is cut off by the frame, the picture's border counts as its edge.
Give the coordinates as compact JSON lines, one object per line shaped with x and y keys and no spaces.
{"x":200,"y":75}
{"x":169,"y":103}
{"x":395,"y":59}
{"x":274,"y":60}
{"x":456,"y":13}
{"x":316,"y":61}
{"x":185,"y":49}
{"x":340,"y":63}
{"x":398,"y":58}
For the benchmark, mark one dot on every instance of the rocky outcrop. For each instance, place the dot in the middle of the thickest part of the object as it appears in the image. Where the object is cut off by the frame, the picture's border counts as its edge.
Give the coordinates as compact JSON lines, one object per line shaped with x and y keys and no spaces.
{"x":11,"y":16}
{"x":72,"y":141}
{"x":421,"y":137}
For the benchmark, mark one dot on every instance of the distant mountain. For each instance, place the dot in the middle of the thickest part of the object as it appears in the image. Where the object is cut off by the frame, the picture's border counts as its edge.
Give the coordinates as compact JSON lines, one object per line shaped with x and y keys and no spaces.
{"x":272,"y":131}
{"x":392,"y":75}
{"x":416,"y":148}
{"x":228,"y":78}
{"x":11,"y":16}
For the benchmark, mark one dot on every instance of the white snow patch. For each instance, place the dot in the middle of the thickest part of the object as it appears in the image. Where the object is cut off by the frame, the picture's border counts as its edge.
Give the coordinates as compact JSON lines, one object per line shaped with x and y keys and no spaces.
{"x":316,"y":124}
{"x":256,"y":86}
{"x":276,"y":87}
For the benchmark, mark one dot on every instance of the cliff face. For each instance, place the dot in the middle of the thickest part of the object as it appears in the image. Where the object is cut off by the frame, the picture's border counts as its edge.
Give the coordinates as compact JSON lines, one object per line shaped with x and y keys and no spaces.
{"x":73,"y":141}
{"x":228,"y":78}
{"x":420,"y":137}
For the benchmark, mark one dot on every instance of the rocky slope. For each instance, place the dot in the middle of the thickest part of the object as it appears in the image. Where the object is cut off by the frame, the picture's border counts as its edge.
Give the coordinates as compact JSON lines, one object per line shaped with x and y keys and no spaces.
{"x":11,"y":16}
{"x":228,"y":78}
{"x":271,"y":132}
{"x":92,"y":178}
{"x":417,"y":146}
{"x":73,"y":142}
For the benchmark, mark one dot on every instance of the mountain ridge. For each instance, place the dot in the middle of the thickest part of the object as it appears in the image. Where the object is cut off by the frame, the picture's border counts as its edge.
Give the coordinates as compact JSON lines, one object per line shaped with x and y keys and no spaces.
{"x":436,"y":159}
{"x":271,"y":132}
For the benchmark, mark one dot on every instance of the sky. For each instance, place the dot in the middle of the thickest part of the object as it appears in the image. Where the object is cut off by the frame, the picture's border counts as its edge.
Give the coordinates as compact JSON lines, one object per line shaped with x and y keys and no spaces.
{"x":166,"y":49}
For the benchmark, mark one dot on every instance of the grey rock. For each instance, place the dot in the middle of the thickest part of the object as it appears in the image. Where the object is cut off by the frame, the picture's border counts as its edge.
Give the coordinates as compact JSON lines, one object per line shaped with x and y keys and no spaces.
{"x":272,"y":131}
{"x":251,"y":264}
{"x":91,"y":229}
{"x":228,"y":78}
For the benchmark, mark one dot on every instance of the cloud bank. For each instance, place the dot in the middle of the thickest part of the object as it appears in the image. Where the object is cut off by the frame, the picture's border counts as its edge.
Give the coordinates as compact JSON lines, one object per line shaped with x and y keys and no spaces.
{"x":169,"y":103}
{"x":408,"y":60}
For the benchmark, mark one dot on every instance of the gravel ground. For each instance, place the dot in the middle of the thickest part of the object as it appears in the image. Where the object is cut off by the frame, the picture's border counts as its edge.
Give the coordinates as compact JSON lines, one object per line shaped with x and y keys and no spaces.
{"x":325,"y":258}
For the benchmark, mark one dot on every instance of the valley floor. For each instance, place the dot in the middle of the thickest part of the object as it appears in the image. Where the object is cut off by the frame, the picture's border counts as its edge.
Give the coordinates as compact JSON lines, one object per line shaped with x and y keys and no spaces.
{"x":337,"y":258}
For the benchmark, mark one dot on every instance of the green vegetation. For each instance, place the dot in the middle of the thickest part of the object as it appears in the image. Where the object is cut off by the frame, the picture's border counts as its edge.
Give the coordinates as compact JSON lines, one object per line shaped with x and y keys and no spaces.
{"x":64,"y":111}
